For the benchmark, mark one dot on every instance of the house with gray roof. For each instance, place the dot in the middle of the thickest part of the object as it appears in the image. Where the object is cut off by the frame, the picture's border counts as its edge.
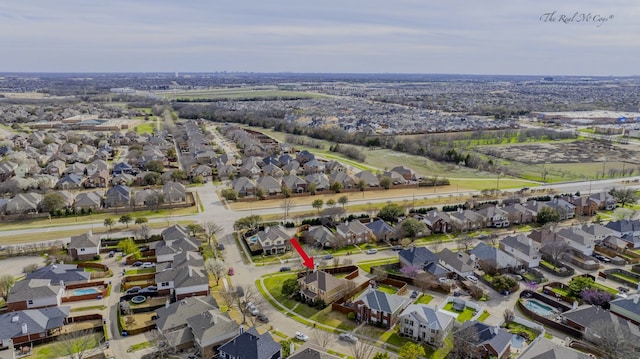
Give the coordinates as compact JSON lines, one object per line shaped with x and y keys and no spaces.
{"x":174,"y":315}
{"x":311,"y":351}
{"x":487,"y":340}
{"x":564,"y":208}
{"x":118,"y":196}
{"x":383,"y":231}
{"x":323,"y":236}
{"x":519,"y":214}
{"x":578,"y":239}
{"x":88,"y":200}
{"x":174,"y":192}
{"x":344,"y":179}
{"x":604,"y":200}
{"x":273,"y":240}
{"x":379,"y":308}
{"x":628,"y":308}
{"x":24,"y":203}
{"x":416,"y":257}
{"x":250,"y":344}
{"x":628,"y":230}
{"x":244,"y":187}
{"x":466,"y":220}
{"x":543,"y":348}
{"x":26,"y":326}
{"x":491,"y":256}
{"x":61,"y":274}
{"x":210,"y":330}
{"x":269,"y":185}
{"x":319,"y":180}
{"x":594,"y":321}
{"x":523,"y":248}
{"x":436,"y":221}
{"x":34,"y":293}
{"x":407,"y":173}
{"x":354,"y":232}
{"x":272,"y":170}
{"x":182,"y":282}
{"x":458,"y":262}
{"x":321,"y":286}
{"x":494,"y":217}
{"x":425,"y":324}
{"x":84,"y":247}
{"x":294,"y":183}
{"x":370,"y":180}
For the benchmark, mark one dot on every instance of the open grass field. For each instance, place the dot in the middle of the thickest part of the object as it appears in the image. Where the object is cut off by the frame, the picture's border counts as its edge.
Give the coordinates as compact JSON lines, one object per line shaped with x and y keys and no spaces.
{"x":238,"y":94}
{"x":572,"y":163}
{"x":144,"y":128}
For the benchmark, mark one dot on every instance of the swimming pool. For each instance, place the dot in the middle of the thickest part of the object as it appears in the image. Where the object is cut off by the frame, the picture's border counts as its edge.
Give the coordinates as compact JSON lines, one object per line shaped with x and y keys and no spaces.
{"x":539,"y":307}
{"x":85,"y":291}
{"x":517,"y":341}
{"x":253,"y":239}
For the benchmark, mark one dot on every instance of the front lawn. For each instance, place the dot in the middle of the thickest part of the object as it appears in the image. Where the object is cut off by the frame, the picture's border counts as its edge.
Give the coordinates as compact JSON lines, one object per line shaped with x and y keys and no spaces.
{"x":273,"y":284}
{"x":516,"y":328}
{"x":387,"y":289}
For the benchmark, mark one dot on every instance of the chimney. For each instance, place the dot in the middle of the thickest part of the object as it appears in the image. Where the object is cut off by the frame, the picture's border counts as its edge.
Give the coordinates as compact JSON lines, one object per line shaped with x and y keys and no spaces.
{"x":166,"y":303}
{"x":190,"y":271}
{"x":241,"y":329}
{"x":24,"y":328}
{"x":535,"y":202}
{"x":636,"y":299}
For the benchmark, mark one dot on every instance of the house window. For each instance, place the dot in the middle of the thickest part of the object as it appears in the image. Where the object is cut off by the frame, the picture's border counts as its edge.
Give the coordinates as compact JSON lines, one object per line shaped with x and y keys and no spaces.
{"x":81,"y":249}
{"x":30,"y":302}
{"x":409,"y":322}
{"x":165,"y":284}
{"x":433,"y":331}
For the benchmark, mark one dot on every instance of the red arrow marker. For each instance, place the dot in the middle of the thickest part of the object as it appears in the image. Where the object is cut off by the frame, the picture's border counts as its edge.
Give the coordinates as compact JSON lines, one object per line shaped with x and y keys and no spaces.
{"x":306,"y":260}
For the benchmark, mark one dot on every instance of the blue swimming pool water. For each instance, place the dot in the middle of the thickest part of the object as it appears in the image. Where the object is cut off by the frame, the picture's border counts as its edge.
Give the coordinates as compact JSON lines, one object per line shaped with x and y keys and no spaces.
{"x":84,"y":291}
{"x":539,"y":308}
{"x":517,"y":341}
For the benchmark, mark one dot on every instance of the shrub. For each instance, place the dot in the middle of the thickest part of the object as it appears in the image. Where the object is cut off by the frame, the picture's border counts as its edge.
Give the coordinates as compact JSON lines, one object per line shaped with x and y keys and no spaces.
{"x":96,"y":257}
{"x":351,"y":316}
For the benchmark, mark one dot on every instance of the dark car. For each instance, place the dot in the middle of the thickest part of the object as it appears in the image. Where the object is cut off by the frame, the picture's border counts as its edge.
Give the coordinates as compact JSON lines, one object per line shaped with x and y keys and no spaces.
{"x":397,"y":248}
{"x":263,"y":318}
{"x":414,"y":295}
{"x":133,"y":290}
{"x":149,"y":289}
{"x":221,"y":247}
{"x":285,"y":269}
{"x":137,"y":264}
{"x":327,"y":257}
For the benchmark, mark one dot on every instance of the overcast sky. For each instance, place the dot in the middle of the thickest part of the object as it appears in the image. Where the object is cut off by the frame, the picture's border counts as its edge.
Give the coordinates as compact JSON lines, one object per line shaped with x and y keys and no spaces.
{"x":372,"y":36}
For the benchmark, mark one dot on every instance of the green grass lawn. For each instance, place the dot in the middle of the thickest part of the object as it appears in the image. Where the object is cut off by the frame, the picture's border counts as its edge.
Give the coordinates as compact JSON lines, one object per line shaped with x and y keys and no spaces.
{"x":145,"y":128}
{"x":625,"y":276}
{"x":59,"y":350}
{"x":366,"y":265}
{"x":424,"y":299}
{"x":516,"y":328}
{"x":387,"y":289}
{"x":483,"y":316}
{"x":274,"y":284}
{"x":464,"y":315}
{"x":140,"y":271}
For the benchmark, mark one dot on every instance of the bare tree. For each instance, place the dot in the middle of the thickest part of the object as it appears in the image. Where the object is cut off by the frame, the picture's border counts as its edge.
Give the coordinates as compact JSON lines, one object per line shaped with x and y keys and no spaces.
{"x":508,"y":317}
{"x":463,"y":343}
{"x":464,"y":242}
{"x":211,"y":229}
{"x":379,"y":274}
{"x":240,"y":298}
{"x":556,"y":248}
{"x":365,"y":346}
{"x":425,"y":281}
{"x":144,"y":231}
{"x":286,"y":205}
{"x":77,"y":345}
{"x":215,"y":267}
{"x":336,"y":261}
{"x":322,"y":337}
{"x":614,"y":340}
{"x":163,"y":348}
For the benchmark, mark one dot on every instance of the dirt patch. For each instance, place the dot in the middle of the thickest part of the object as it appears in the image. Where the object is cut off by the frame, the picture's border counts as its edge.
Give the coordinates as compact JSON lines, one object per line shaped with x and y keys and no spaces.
{"x":14,"y":265}
{"x":564,"y":152}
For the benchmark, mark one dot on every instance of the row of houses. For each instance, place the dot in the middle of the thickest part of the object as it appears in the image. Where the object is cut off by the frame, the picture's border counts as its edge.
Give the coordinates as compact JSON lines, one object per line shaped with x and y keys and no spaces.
{"x":116,"y":196}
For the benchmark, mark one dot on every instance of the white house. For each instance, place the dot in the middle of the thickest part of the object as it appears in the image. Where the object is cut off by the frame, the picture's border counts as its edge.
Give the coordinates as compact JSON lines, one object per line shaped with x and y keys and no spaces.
{"x":84,"y":247}
{"x":426,"y":324}
{"x":523,"y":248}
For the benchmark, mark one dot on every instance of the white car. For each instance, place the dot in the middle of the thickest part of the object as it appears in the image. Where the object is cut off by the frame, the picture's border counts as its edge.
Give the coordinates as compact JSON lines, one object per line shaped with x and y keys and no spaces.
{"x":372,"y":251}
{"x":443,"y":280}
{"x":472,"y":279}
{"x":301,"y":336}
{"x":148,"y":265}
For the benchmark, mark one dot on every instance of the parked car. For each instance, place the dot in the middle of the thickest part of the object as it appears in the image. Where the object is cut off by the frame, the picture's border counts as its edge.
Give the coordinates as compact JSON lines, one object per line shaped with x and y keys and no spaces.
{"x":231,"y":271}
{"x":137,"y":264}
{"x":149,"y":289}
{"x":285,"y":269}
{"x":112,"y":253}
{"x":263,"y":318}
{"x":414,"y":295}
{"x":221,"y":247}
{"x":443,"y":280}
{"x":133,"y":290}
{"x":348,"y":337}
{"x":148,"y":265}
{"x":397,"y":248}
{"x":472,"y":279}
{"x":372,"y":251}
{"x":327,"y":257}
{"x":301,"y":336}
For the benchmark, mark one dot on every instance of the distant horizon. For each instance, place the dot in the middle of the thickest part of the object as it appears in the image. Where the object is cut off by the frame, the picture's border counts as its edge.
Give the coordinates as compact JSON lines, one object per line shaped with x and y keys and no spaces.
{"x":172,"y":73}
